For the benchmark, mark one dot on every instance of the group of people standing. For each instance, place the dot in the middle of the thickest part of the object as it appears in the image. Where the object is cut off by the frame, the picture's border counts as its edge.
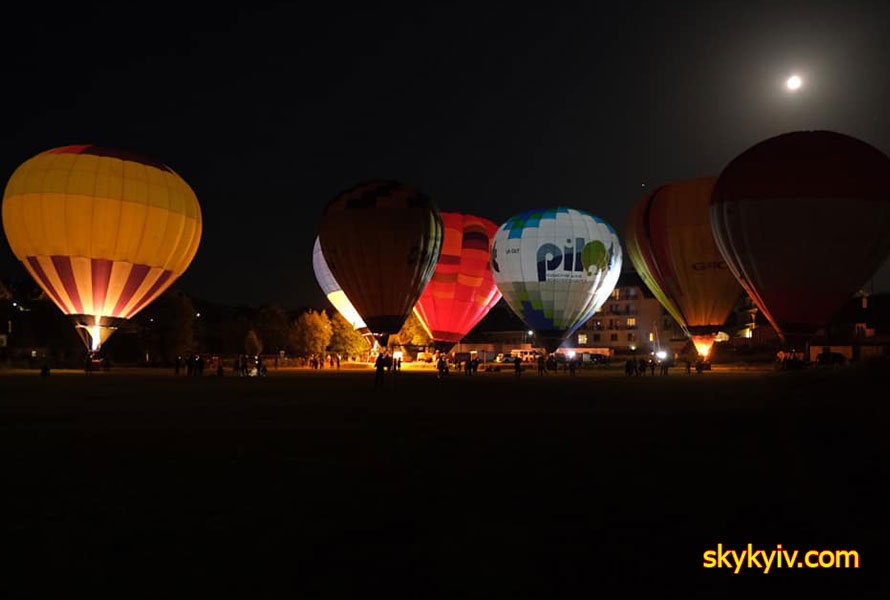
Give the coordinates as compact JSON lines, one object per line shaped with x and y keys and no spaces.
{"x":639,"y":367}
{"x":550,"y":363}
{"x":246,"y":366}
{"x":194,"y":365}
{"x":316,"y":361}
{"x":385,"y":362}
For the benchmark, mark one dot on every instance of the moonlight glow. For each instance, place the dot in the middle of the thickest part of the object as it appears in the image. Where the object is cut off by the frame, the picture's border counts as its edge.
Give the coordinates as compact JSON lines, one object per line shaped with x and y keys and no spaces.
{"x":793,"y":83}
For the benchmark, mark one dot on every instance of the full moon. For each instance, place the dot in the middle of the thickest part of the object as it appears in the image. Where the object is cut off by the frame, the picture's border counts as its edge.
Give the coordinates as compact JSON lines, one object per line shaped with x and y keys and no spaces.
{"x":794,"y":82}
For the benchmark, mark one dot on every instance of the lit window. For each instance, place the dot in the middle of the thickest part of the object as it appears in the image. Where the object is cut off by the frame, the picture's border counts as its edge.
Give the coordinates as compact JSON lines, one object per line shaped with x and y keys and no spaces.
{"x":631,"y":322}
{"x":582,"y":338}
{"x":651,"y":337}
{"x":616,"y":293}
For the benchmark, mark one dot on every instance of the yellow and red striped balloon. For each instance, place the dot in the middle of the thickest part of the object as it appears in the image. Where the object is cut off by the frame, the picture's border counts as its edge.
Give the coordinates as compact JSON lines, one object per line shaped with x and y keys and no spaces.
{"x":102,"y":231}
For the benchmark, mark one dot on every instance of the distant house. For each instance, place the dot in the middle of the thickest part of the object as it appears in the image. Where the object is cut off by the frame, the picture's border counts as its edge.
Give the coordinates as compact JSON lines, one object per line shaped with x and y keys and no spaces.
{"x":860,"y":330}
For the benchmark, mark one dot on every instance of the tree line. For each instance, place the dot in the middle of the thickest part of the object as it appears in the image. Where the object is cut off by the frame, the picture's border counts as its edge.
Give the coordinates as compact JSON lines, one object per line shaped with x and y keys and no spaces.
{"x":176,"y":324}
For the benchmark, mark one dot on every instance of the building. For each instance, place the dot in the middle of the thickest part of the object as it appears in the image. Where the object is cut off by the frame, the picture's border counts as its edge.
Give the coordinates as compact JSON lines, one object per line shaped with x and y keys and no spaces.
{"x":631,"y":321}
{"x":861,"y":329}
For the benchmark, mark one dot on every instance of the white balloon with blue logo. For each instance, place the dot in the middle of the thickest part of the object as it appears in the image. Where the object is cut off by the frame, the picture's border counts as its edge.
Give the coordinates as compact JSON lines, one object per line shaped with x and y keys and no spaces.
{"x":555,"y":267}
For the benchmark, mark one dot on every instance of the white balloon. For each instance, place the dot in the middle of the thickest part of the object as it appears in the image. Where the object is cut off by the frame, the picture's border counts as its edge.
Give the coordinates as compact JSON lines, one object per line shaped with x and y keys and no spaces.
{"x":555,"y":267}
{"x":332,"y":290}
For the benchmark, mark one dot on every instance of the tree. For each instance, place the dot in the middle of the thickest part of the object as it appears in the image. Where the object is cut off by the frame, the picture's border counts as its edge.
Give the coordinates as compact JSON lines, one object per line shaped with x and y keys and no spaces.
{"x":413,"y":332}
{"x":271,"y":326}
{"x":310,"y":333}
{"x":345,"y":340}
{"x":252,"y":344}
{"x":175,"y":324}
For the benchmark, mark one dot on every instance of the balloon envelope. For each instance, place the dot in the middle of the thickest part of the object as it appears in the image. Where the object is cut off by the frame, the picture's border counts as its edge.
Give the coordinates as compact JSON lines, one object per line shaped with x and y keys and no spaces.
{"x":381,"y":241}
{"x":555,"y":268}
{"x":803,"y":220}
{"x":462,"y":289}
{"x":332,"y":289}
{"x":671,"y":245}
{"x":102,"y":231}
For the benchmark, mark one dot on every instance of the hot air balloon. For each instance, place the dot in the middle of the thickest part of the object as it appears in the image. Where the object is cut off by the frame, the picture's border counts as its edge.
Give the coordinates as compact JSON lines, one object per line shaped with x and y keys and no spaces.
{"x":381,"y":241}
{"x":462,"y":289}
{"x":671,"y":246}
{"x":332,"y":290}
{"x":555,"y":267}
{"x":102,"y":231}
{"x":803,"y":220}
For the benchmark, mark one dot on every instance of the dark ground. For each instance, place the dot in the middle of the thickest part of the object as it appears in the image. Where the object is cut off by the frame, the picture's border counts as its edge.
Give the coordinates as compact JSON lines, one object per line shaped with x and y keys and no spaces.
{"x":313,"y":484}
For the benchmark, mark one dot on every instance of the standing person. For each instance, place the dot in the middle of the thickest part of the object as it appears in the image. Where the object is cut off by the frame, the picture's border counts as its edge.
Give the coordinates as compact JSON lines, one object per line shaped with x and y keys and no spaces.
{"x":517,"y":367}
{"x":219,"y":368}
{"x":665,"y":365}
{"x":630,"y":367}
{"x":200,"y":365}
{"x":652,"y":366}
{"x":338,"y":361}
{"x":688,"y":365}
{"x":468,"y":367}
{"x":572,"y":367}
{"x":260,"y":367}
{"x":88,"y":365}
{"x":641,"y":367}
{"x":442,"y":366}
{"x":380,"y":366}
{"x":541,"y":364}
{"x":177,"y":365}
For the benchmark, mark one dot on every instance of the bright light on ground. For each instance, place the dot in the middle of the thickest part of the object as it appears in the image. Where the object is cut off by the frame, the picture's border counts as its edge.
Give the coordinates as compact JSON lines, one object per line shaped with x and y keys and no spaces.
{"x":793,"y":83}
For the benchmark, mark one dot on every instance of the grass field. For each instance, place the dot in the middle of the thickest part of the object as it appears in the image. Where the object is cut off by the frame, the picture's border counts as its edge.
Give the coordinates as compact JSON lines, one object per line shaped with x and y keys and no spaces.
{"x":141,"y":483}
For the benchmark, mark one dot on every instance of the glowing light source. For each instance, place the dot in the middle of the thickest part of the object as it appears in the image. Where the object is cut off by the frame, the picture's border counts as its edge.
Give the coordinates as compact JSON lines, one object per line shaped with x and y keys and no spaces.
{"x":571,"y":354}
{"x":661,"y":354}
{"x":95,"y":339}
{"x":530,"y":332}
{"x":703,"y":344}
{"x":793,"y":83}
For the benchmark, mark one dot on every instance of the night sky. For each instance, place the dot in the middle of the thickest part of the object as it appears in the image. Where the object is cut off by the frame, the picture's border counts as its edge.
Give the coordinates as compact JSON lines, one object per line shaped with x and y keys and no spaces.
{"x":268,"y":112}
